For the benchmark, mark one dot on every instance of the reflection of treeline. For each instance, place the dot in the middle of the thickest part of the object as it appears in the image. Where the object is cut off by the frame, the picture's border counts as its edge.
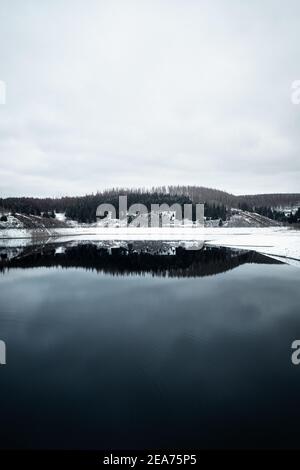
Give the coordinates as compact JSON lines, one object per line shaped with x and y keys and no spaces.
{"x":185,"y":263}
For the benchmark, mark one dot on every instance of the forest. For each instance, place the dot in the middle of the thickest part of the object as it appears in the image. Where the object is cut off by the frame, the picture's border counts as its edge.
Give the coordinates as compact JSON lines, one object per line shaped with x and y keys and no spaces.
{"x":217,"y":203}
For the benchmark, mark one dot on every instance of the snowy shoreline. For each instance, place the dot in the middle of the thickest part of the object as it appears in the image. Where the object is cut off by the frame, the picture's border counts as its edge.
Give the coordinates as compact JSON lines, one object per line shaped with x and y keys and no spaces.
{"x":276,"y":242}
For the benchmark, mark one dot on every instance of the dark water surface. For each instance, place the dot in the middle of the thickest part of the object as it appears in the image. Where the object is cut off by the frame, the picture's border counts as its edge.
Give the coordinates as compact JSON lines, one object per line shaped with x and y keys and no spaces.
{"x":180,"y":355}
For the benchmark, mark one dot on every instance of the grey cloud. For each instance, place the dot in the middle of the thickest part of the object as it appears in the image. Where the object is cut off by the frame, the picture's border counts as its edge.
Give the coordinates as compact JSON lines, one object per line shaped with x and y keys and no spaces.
{"x":106,"y":93}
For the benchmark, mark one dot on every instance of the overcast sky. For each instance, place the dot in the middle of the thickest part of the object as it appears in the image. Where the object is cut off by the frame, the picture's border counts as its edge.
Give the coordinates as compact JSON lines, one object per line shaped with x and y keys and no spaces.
{"x":141,"y":93}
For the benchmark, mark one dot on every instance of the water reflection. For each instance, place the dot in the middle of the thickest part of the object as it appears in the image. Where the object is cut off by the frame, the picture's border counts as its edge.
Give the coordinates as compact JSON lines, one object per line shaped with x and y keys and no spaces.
{"x":156,"y":258}
{"x":174,"y":359}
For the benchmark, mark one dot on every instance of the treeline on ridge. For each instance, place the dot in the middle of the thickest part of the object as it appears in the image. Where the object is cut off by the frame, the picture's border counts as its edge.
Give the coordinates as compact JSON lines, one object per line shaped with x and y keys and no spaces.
{"x":83,"y":208}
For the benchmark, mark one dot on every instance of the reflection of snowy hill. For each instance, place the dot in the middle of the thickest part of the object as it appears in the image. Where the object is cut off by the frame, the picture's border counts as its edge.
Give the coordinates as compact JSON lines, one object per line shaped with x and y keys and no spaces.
{"x":272,"y":241}
{"x":158,"y":259}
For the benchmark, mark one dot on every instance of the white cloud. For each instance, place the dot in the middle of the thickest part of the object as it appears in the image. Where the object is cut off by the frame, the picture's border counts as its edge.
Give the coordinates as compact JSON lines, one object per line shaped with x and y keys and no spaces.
{"x":106,"y":93}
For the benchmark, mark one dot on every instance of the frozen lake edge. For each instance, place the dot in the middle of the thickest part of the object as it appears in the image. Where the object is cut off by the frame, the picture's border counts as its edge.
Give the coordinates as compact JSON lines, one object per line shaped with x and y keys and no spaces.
{"x":282,"y":243}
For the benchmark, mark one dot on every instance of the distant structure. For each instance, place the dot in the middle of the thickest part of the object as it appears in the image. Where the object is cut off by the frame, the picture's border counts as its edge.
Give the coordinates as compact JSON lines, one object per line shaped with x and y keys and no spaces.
{"x":288,"y":210}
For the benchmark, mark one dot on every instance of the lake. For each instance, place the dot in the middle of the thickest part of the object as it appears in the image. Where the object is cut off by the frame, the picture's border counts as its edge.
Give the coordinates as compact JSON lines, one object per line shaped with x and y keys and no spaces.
{"x":113,"y":348}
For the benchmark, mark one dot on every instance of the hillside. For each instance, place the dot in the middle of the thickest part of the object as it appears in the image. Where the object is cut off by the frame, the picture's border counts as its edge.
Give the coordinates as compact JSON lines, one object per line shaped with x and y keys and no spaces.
{"x":209,"y":195}
{"x":83,"y":208}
